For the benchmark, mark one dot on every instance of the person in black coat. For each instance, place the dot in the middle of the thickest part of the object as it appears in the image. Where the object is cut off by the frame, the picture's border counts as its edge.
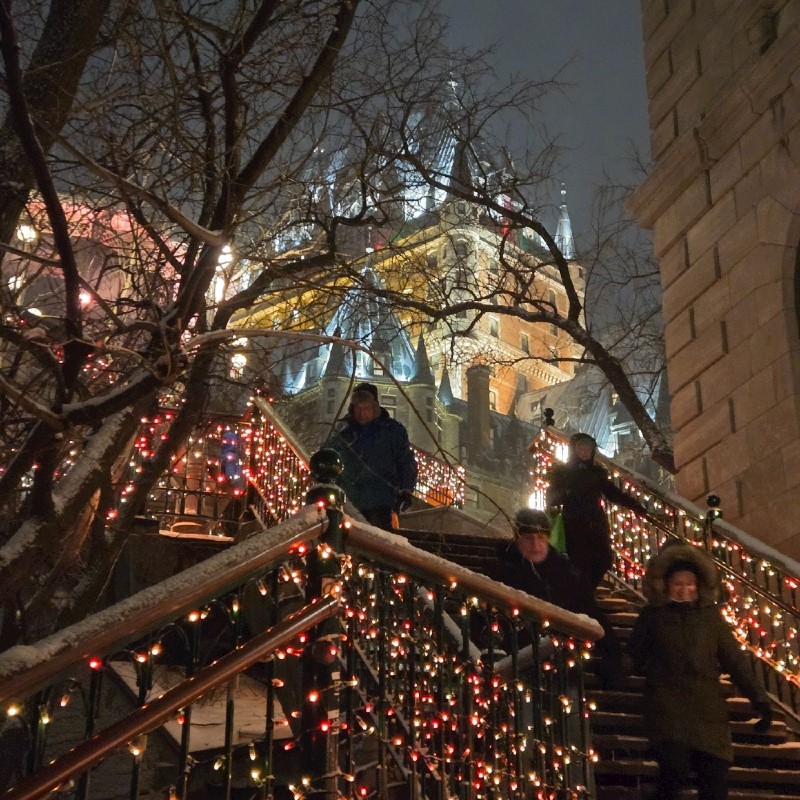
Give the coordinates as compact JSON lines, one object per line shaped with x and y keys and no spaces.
{"x":532,"y":565}
{"x":577,"y":489}
{"x":379,"y":467}
{"x":681,"y":644}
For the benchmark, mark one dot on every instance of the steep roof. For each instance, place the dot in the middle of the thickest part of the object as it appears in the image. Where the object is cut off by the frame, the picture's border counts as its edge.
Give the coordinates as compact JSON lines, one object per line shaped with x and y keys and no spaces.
{"x":365,"y":318}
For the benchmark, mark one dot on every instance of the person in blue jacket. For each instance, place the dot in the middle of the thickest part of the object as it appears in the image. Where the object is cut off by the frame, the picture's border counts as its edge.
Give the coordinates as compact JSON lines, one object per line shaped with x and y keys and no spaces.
{"x":379,"y":468}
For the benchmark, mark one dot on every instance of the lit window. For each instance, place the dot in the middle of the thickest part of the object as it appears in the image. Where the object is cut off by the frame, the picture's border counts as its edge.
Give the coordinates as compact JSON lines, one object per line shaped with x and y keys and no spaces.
{"x":238,"y":362}
{"x":27,"y":233}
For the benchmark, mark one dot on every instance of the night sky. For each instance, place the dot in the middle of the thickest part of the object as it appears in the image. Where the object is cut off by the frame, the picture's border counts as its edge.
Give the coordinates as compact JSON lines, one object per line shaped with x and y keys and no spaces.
{"x":604,"y":109}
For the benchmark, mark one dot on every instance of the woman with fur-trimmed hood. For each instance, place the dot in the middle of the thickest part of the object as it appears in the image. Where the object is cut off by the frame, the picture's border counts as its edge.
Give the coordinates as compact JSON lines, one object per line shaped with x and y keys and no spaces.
{"x":682,"y":644}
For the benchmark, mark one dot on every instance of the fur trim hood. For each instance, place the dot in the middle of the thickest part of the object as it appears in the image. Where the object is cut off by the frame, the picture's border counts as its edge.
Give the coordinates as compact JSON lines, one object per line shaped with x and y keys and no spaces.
{"x":708,"y":581}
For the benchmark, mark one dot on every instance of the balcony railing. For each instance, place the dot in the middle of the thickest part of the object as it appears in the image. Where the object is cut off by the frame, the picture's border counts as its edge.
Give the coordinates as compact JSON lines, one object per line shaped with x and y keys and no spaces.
{"x":760,"y":601}
{"x":235,"y":468}
{"x":390,"y":689}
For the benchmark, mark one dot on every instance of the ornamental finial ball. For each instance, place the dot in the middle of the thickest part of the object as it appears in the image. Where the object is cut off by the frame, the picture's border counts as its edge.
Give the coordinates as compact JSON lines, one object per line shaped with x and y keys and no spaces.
{"x":325,"y":465}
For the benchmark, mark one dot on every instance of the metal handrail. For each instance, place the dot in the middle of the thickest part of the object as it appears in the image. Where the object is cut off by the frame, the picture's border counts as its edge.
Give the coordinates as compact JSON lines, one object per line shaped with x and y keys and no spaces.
{"x":396,"y":550}
{"x":25,"y":669}
{"x":762,"y":585}
{"x":157,"y":711}
{"x":268,"y":411}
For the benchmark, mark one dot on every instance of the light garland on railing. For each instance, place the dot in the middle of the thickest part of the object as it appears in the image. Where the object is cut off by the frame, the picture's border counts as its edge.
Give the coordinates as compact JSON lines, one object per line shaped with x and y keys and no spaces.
{"x":281,"y":476}
{"x":441,"y":675}
{"x":214,"y":467}
{"x":761,"y":603}
{"x":439,"y":483}
{"x":451,"y":697}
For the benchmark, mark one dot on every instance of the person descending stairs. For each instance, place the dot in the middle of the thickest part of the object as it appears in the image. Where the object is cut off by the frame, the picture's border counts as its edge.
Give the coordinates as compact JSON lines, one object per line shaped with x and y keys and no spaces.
{"x":766,"y":764}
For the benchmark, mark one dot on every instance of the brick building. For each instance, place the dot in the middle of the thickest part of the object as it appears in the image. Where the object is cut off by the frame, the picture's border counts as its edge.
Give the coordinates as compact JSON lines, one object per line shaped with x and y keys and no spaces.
{"x":723,"y":202}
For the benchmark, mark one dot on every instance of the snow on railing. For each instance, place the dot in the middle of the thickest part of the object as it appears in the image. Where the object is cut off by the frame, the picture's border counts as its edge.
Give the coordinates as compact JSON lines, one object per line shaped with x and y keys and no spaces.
{"x":385,"y":677}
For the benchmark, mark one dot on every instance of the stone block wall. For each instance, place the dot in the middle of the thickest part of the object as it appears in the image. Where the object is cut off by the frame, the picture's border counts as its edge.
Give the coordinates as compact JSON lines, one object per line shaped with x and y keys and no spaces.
{"x":723,"y":202}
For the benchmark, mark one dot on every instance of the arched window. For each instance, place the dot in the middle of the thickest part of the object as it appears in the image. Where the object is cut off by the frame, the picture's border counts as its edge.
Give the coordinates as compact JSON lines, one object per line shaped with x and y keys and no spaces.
{"x":461,"y":247}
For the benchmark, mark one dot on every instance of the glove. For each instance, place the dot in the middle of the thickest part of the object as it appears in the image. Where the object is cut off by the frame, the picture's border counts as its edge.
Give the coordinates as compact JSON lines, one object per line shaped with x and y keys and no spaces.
{"x":404,"y":500}
{"x":764,"y":711}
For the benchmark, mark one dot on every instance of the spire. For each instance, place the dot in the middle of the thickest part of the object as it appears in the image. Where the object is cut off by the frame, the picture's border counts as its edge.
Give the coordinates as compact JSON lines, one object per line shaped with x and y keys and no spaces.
{"x":445,"y":393}
{"x":460,"y":173}
{"x":563,"y":237}
{"x":336,"y":361}
{"x":422,"y":366}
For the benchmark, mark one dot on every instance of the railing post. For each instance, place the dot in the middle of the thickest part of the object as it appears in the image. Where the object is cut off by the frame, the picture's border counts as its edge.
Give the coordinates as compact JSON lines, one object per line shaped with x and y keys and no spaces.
{"x":321,"y":670}
{"x":96,"y":667}
{"x":191,"y":666}
{"x":714,"y":512}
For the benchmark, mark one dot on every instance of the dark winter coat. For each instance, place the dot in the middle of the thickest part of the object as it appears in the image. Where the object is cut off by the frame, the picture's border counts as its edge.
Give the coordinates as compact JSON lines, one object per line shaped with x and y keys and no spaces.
{"x":681,"y":648}
{"x":578,"y":488}
{"x":554,"y":580}
{"x":378,"y":462}
{"x":558,"y":582}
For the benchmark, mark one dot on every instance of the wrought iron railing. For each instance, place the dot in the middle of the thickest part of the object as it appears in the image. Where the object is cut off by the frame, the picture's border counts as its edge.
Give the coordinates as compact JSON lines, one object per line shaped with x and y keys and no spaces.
{"x":439,"y":483}
{"x":235,"y":468}
{"x":230,"y":469}
{"x":392,"y":676}
{"x":761,"y":599}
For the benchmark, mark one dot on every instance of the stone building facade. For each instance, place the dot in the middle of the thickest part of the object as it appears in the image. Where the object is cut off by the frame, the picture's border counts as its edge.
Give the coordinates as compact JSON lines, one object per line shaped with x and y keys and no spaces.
{"x":723,"y":202}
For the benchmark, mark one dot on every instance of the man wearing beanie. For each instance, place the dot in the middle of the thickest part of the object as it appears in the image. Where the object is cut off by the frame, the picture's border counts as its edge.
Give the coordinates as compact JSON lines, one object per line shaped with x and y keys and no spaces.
{"x":380,"y":470}
{"x":532,"y":565}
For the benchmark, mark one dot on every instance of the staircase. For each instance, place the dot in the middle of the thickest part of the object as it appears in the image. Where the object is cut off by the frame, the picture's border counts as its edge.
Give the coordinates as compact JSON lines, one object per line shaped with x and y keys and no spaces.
{"x":766,"y":766}
{"x":423,"y":716}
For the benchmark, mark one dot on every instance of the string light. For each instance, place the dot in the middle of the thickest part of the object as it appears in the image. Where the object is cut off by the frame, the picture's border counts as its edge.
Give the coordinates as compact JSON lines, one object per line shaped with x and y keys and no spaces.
{"x":760,"y":602}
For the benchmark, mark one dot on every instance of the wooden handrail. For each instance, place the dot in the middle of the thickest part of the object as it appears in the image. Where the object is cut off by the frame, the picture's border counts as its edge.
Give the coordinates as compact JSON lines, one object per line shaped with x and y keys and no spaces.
{"x":402,"y":555}
{"x":152,"y":714}
{"x":25,"y":669}
{"x":755,"y":547}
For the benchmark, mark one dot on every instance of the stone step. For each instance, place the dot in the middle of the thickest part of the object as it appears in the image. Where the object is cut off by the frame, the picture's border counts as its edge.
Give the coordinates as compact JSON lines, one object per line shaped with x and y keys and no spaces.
{"x":784,"y":780}
{"x":636,"y":793}
{"x":739,"y":708}
{"x":617,"y":605}
{"x":626,"y":724}
{"x":622,"y":620}
{"x":612,"y":746}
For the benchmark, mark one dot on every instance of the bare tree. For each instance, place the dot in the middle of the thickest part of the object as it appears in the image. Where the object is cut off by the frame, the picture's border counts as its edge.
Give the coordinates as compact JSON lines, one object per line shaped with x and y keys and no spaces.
{"x":205,"y":158}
